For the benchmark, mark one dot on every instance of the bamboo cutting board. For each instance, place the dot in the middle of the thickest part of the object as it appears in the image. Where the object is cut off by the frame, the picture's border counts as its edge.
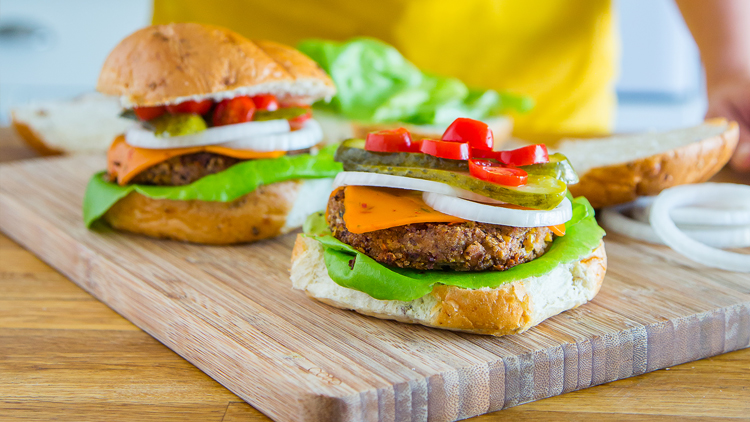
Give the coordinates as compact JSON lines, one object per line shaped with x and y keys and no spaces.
{"x":231,"y":312}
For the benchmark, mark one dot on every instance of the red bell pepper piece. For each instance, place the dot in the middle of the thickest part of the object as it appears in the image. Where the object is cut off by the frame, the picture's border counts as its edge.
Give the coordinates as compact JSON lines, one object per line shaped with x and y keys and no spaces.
{"x":445,"y":149}
{"x":497,"y":173}
{"x":148,"y":113}
{"x":395,"y":140}
{"x":234,"y":110}
{"x":477,"y":134}
{"x":191,"y":106}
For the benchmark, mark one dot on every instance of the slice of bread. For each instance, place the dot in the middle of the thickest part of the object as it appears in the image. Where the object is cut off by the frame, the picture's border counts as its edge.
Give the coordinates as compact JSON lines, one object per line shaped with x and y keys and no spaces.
{"x":509,"y":309}
{"x":84,"y":124}
{"x":337,"y":128}
{"x":618,"y":169}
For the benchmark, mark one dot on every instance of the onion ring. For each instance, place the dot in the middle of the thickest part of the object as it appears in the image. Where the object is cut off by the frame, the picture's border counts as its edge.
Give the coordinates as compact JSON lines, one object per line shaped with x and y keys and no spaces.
{"x":615,"y":220}
{"x":666,"y":229}
{"x":734,"y":212}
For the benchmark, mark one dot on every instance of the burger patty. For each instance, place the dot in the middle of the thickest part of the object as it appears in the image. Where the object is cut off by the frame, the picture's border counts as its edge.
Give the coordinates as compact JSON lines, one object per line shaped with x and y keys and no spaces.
{"x":184,"y":169}
{"x":468,"y":246}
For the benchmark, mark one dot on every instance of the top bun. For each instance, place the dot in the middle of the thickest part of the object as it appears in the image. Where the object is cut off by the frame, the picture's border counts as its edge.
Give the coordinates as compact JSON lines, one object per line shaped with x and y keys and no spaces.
{"x":168,"y":64}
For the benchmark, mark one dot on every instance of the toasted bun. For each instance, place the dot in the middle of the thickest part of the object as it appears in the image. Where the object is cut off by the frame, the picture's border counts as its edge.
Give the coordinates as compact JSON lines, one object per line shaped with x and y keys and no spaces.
{"x":268,"y":211}
{"x":510,"y":309}
{"x":337,"y":128}
{"x":85,"y":123}
{"x":619,"y":169}
{"x":165,"y":64}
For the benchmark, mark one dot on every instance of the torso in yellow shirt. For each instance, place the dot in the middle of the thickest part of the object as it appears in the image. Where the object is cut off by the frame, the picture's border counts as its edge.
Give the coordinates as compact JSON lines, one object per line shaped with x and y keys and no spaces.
{"x":562,"y":53}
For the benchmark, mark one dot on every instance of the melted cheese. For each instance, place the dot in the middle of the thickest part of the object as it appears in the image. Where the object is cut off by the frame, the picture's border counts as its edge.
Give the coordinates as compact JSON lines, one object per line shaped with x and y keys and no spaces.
{"x":368,"y":209}
{"x":126,"y":161}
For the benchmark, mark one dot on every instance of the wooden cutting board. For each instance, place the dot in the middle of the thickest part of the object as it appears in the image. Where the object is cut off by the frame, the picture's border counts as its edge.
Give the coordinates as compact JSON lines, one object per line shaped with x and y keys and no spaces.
{"x":231,"y":311}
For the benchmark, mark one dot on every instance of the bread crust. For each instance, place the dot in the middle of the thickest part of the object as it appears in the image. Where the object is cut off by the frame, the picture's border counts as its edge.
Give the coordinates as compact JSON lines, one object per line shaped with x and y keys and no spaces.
{"x":33,"y":139}
{"x":258,"y":215}
{"x":509,"y":309}
{"x":692,"y":163}
{"x":164,"y":64}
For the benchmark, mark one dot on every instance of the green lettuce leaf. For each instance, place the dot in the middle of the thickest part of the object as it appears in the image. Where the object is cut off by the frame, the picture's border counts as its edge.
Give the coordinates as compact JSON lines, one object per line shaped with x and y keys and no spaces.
{"x":226,"y":186}
{"x":355,"y":270}
{"x":377,"y":84}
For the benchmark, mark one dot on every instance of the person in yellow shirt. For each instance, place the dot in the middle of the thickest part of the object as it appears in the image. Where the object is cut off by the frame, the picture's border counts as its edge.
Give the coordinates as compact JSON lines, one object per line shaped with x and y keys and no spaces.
{"x":562,"y":53}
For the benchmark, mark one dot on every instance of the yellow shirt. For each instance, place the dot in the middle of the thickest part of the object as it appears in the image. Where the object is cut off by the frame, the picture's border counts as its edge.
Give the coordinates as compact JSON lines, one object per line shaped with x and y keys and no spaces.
{"x":562,"y":53}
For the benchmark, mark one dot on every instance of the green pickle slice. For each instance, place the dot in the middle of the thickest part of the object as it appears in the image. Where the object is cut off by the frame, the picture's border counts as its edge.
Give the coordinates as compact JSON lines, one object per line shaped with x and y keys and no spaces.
{"x":353,"y":152}
{"x":558,"y":167}
{"x":539,"y":192}
{"x":177,"y":124}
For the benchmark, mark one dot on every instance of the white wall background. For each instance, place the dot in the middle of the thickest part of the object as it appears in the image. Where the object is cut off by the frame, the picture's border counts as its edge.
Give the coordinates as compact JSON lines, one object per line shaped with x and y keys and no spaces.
{"x":55,"y":48}
{"x":661,"y":81}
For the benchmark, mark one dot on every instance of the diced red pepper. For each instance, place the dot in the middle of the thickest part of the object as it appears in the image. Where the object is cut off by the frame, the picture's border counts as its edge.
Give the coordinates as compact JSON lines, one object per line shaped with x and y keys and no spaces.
{"x":444,"y":149}
{"x":266,"y":102}
{"x":485,"y":154}
{"x":497,"y":173}
{"x":395,"y":140}
{"x":524,"y":156}
{"x":191,"y":106}
{"x":148,"y":113}
{"x":477,"y":134}
{"x":234,"y":110}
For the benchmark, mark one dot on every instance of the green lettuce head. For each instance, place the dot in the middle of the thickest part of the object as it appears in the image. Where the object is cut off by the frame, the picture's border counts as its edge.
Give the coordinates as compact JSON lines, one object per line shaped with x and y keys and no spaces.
{"x":377,"y":84}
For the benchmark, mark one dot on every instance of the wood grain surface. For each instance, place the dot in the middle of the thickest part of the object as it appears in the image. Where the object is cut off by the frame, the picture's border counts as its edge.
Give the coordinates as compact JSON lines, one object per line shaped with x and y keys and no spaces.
{"x":64,"y":355}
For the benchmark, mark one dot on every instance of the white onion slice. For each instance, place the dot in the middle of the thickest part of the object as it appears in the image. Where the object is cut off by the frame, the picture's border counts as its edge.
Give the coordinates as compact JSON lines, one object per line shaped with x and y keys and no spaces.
{"x":361,"y":178}
{"x":680,"y":196}
{"x":142,"y":138}
{"x":309,"y":135}
{"x":734,"y":212}
{"x":490,"y":214}
{"x":730,"y":216}
{"x":613,"y":219}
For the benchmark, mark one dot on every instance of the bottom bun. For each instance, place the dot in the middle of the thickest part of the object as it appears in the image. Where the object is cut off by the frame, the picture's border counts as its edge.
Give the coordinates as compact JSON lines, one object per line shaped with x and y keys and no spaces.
{"x":509,"y":309}
{"x":268,"y":211}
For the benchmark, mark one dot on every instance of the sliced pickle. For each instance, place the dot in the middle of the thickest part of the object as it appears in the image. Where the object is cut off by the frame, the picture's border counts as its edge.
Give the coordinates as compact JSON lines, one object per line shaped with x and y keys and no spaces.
{"x":539,"y":192}
{"x":352,"y":152}
{"x":282,"y":113}
{"x":178,"y":124}
{"x":558,"y":167}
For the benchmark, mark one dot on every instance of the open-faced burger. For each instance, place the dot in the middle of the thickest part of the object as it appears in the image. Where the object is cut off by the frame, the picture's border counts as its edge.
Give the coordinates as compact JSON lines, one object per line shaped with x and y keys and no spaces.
{"x":451,"y":233}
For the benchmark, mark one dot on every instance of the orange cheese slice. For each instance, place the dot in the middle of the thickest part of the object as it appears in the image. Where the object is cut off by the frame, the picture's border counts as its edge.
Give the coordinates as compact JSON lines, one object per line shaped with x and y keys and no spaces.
{"x":126,"y":161}
{"x":368,"y":209}
{"x":558,"y":229}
